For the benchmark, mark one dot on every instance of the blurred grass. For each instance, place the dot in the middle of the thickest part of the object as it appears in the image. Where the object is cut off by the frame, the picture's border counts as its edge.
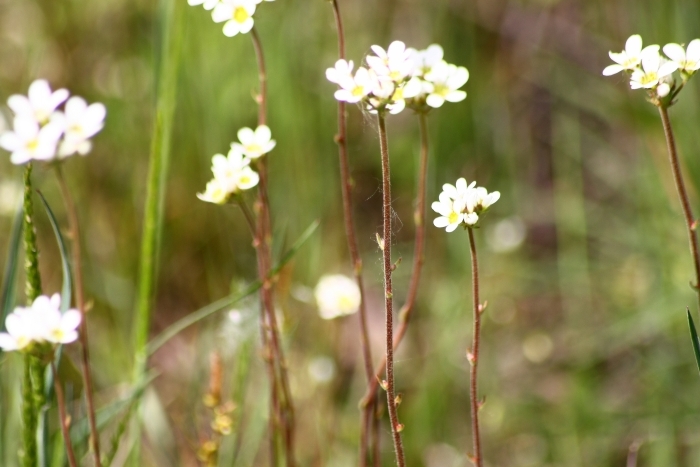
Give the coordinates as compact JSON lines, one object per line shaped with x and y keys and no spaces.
{"x":586,"y":348}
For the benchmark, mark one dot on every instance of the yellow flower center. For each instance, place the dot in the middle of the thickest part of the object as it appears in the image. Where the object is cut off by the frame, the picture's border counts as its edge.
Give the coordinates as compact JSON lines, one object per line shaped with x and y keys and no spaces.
{"x":33,"y":144}
{"x":454,"y":217}
{"x":648,"y":78}
{"x":253,"y":148}
{"x":344,"y":302}
{"x":57,"y":334}
{"x":441,"y":90}
{"x":244,"y":180}
{"x":358,"y":91}
{"x":240,"y":14}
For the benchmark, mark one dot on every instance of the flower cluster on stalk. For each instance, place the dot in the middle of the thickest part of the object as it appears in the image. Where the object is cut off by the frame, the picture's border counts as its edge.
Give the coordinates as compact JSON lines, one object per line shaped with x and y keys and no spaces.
{"x":462,"y":204}
{"x":233,"y":173}
{"x":40,"y":327}
{"x":237,"y":15}
{"x":649,"y":69}
{"x":397,"y":77}
{"x":43,"y":132}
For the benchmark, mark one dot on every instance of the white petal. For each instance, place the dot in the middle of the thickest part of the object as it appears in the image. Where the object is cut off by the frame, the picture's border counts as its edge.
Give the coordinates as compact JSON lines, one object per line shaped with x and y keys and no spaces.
{"x":693,"y":52}
{"x":70,"y":320}
{"x":452,"y":227}
{"x":262,"y":134}
{"x":7,"y":342}
{"x":455,"y":96}
{"x":39,"y":93}
{"x":20,"y":157}
{"x":675,"y":52}
{"x":612,"y":69}
{"x":9,"y":141}
{"x":26,"y":128}
{"x":247,"y":25}
{"x":434,"y":100}
{"x":667,"y":68}
{"x":222,"y":12}
{"x":20,"y":105}
{"x":441,"y":222}
{"x":246,"y":136}
{"x":634,"y":44}
{"x":231,"y":28}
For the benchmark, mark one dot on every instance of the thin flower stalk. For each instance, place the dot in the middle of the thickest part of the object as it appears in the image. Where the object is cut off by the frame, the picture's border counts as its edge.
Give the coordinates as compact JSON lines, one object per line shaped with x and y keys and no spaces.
{"x":350,"y":233}
{"x":690,"y":221}
{"x":80,"y":302}
{"x":64,"y":421}
{"x":473,"y":356}
{"x":263,"y":241}
{"x":385,"y":245}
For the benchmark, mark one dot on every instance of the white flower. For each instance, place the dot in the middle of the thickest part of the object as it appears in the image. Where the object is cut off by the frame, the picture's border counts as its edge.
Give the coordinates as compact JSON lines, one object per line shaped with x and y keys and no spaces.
{"x":20,"y":331}
{"x":354,"y":89}
{"x":40,"y":103}
{"x":654,"y":68}
{"x":629,"y":59}
{"x":233,"y":172}
{"x":482,"y":199}
{"x":396,"y":62}
{"x":337,"y":295}
{"x":28,"y":141}
{"x":341,"y":71}
{"x":460,"y":190}
{"x":425,"y":60}
{"x":407,"y":90}
{"x":214,"y":193}
{"x":238,"y":15}
{"x":256,"y":143}
{"x":81,"y":122}
{"x":688,"y":61}
{"x":383,"y":88}
{"x":208,"y":4}
{"x":450,"y":211}
{"x":446,"y":79}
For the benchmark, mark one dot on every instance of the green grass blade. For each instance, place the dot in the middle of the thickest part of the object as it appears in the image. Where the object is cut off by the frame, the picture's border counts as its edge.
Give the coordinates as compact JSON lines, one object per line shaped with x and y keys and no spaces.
{"x":7,"y":299}
{"x":219,"y":305}
{"x":694,"y":338}
{"x":66,"y":295}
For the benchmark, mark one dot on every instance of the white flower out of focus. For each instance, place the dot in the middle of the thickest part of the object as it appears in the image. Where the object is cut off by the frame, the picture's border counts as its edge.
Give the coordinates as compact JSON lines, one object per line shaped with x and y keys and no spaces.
{"x":446,"y":79}
{"x":41,"y":323}
{"x":462,"y":204}
{"x":654,"y":68}
{"x":29,"y":141}
{"x":342,"y":71}
{"x":232,"y":174}
{"x":254,"y":144}
{"x":238,"y":15}
{"x":395,"y":62}
{"x":81,"y":122}
{"x":207,"y":4}
{"x":40,"y":102}
{"x":337,"y":295}
{"x":629,"y":59}
{"x":687,"y":60}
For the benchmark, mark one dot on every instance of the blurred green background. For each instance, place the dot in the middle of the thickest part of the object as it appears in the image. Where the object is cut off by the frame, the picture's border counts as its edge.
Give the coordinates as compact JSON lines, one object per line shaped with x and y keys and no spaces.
{"x":584,"y":260}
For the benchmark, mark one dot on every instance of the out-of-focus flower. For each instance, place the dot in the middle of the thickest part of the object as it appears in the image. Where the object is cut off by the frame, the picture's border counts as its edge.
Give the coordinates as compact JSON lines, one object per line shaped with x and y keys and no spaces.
{"x":687,"y":60}
{"x":238,"y":15}
{"x":11,"y":192}
{"x":233,"y":171}
{"x":425,"y":60}
{"x":395,"y":62}
{"x":40,"y":103}
{"x":446,"y":79}
{"x":354,"y":88}
{"x":337,"y":295}
{"x":29,"y":141}
{"x":41,"y":323}
{"x":254,"y":144}
{"x":207,"y":4}
{"x":462,"y":203}
{"x":214,"y":193}
{"x":81,"y":122}
{"x":340,"y":72}
{"x":654,"y":68}
{"x":629,"y":59}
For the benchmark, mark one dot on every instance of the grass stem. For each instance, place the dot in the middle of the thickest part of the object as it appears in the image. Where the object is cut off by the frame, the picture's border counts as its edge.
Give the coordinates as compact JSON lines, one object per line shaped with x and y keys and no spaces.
{"x":473,"y":356}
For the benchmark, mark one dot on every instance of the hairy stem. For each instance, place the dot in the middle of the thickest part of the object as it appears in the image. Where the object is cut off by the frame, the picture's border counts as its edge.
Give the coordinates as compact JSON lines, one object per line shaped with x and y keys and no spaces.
{"x":264,"y":237}
{"x":350,"y":233}
{"x":690,"y":221}
{"x":473,"y":355}
{"x":388,"y":293}
{"x":32,"y":365}
{"x":64,"y":420}
{"x":80,"y":302}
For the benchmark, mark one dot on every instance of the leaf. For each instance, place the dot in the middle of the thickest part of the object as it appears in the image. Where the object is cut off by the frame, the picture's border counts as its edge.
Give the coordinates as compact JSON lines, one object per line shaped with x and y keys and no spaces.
{"x":7,"y":298}
{"x":694,"y":338}
{"x":67,"y":287}
{"x":182,"y":324}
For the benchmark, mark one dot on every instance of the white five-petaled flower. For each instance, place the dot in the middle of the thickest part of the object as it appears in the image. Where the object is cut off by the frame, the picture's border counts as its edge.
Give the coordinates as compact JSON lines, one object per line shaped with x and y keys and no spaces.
{"x":337,"y":295}
{"x":42,"y":322}
{"x":425,"y":60}
{"x":482,"y":199}
{"x":355,"y":88}
{"x":40,"y":102}
{"x":214,"y":193}
{"x":238,"y":15}
{"x":462,"y":203}
{"x":207,"y":4}
{"x":629,"y":59}
{"x":444,"y":81}
{"x":340,"y":72}
{"x":396,"y":61}
{"x":450,"y":210}
{"x":233,"y":171}
{"x":29,"y":141}
{"x":254,"y":144}
{"x":654,"y":68}
{"x":81,"y":122}
{"x":687,"y":60}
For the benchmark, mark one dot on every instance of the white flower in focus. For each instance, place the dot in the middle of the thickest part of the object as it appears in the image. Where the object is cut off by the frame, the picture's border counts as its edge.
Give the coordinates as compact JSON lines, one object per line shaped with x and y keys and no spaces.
{"x":629,"y":59}
{"x":341,"y":71}
{"x":446,"y":79}
{"x":214,"y":193}
{"x":40,"y":102}
{"x":425,"y":60}
{"x":461,"y":190}
{"x":81,"y":122}
{"x":395,"y":62}
{"x":207,"y":4}
{"x":450,"y":211}
{"x":57,"y":327}
{"x":28,"y":141}
{"x":687,"y":60}
{"x":354,"y":89}
{"x":254,"y":144}
{"x":238,"y":15}
{"x":337,"y":295}
{"x":654,"y":68}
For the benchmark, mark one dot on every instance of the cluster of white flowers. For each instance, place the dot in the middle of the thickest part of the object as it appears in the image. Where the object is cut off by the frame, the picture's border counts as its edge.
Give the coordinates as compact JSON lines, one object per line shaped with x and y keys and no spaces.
{"x":462,"y":204}
{"x":399,"y":76}
{"x":233,"y":173}
{"x":337,"y":295}
{"x":41,"y":323}
{"x":237,"y":15}
{"x":42,"y":132}
{"x":650,"y":70}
